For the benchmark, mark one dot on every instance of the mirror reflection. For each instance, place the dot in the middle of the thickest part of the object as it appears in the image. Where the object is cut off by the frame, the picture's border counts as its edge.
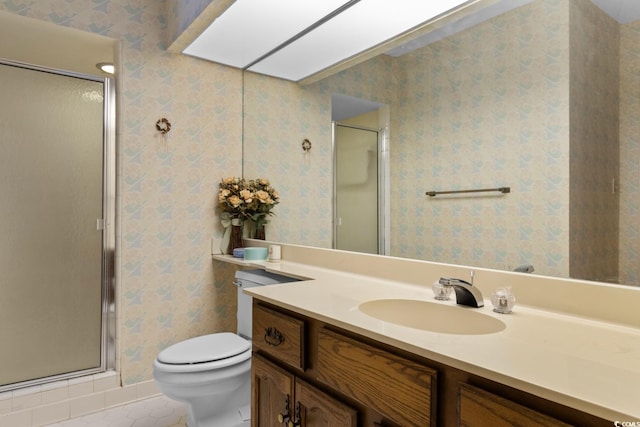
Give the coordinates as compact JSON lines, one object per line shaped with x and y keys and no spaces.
{"x":542,"y":98}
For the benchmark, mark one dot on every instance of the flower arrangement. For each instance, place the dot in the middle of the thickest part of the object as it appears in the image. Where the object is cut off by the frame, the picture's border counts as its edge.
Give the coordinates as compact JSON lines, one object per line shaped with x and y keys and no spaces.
{"x":261,"y":199}
{"x":247,"y":199}
{"x":229,"y":197}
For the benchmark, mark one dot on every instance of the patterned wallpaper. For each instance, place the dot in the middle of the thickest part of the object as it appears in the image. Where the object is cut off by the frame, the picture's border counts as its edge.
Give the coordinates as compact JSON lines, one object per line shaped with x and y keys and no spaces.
{"x":278,"y":116}
{"x":168,"y":288}
{"x":481,"y":114}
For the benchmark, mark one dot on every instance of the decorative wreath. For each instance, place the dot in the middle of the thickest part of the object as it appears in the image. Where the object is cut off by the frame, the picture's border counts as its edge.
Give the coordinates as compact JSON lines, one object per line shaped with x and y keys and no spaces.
{"x":306,"y":145}
{"x":163,"y":126}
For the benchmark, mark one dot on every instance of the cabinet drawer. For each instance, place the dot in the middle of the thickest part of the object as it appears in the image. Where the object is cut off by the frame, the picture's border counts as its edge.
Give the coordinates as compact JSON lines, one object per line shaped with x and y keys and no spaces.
{"x":397,"y":388}
{"x":479,"y":408}
{"x":280,"y":335}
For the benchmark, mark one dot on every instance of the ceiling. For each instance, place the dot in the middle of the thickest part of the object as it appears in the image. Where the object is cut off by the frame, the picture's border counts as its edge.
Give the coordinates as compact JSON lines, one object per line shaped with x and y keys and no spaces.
{"x":623,"y":11}
{"x":32,"y":41}
{"x":293,"y":39}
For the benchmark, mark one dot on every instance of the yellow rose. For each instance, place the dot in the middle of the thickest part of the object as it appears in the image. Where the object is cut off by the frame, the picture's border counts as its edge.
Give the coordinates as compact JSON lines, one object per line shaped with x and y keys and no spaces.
{"x":223,"y":194}
{"x":235,"y":201}
{"x":246,"y":195}
{"x":263,"y":181}
{"x":262,"y":196}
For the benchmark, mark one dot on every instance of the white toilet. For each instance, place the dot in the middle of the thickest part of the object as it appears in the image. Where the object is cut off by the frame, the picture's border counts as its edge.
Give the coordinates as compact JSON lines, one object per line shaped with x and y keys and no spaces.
{"x":211,"y":374}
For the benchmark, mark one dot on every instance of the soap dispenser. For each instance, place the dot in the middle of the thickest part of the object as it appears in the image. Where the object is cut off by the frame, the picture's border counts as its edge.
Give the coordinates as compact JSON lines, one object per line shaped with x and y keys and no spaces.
{"x":503,"y":300}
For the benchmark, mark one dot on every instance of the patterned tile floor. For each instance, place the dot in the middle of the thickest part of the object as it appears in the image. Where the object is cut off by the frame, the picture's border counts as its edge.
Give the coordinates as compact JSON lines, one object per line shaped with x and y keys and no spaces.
{"x":155,"y":412}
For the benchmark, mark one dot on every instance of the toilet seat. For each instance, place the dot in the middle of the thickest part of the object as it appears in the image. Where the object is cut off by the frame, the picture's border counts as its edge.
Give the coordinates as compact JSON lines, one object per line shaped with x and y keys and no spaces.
{"x":203,"y":349}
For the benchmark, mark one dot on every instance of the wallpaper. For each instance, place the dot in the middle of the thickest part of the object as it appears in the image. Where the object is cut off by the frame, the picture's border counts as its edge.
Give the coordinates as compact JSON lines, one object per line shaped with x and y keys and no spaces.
{"x":278,"y":116}
{"x":480,"y":114}
{"x":168,"y":289}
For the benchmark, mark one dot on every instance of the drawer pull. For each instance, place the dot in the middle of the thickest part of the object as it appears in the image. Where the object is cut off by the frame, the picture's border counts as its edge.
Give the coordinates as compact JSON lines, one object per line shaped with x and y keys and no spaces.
{"x":273,"y":337}
{"x":296,"y":422}
{"x":284,"y":417}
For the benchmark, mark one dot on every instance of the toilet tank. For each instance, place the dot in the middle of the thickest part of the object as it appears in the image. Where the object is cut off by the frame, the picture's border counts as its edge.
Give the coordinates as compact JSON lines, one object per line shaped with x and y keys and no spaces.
{"x":249,"y":279}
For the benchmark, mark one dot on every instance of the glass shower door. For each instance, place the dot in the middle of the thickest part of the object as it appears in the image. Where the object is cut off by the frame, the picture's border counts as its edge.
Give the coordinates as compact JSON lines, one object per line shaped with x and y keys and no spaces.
{"x":51,"y":221}
{"x":357,"y":206}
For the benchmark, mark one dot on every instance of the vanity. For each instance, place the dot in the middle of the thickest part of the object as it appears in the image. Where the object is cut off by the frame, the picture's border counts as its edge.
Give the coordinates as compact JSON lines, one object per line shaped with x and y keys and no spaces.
{"x":322,"y":352}
{"x":315,"y":372}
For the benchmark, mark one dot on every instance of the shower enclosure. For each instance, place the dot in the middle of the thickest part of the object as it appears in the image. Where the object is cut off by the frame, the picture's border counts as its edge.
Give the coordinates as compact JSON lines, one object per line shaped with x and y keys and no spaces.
{"x":57,"y":209}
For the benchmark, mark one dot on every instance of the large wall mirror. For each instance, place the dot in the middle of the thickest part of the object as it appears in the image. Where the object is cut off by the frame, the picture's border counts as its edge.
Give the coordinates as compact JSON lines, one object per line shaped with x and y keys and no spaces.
{"x":542,"y":97}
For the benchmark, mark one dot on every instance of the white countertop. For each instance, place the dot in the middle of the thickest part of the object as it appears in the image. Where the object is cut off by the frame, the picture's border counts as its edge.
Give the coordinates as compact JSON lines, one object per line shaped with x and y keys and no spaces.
{"x":592,"y":366}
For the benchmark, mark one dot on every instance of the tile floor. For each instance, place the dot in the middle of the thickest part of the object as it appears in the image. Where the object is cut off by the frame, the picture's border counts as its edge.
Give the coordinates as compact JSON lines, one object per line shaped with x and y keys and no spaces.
{"x":154,"y":412}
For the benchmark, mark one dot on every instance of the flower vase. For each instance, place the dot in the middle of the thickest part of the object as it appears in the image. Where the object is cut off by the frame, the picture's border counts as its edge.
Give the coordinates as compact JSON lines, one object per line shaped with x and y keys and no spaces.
{"x":260,"y":234}
{"x":235,"y":239}
{"x":224,"y":243}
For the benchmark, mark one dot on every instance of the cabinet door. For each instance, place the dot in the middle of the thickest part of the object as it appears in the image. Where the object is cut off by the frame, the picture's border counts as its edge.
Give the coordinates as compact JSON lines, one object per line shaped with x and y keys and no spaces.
{"x":317,"y":409}
{"x":272,"y":389}
{"x":479,"y":408}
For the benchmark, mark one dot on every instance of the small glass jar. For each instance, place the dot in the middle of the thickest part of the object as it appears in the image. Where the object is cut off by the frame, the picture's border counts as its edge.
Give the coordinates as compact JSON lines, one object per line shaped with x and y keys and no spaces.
{"x":441,"y":292}
{"x":503,"y":300}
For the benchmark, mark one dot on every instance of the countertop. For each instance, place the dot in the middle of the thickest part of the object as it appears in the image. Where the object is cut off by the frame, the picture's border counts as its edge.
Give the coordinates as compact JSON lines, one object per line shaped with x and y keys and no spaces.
{"x":586,"y":364}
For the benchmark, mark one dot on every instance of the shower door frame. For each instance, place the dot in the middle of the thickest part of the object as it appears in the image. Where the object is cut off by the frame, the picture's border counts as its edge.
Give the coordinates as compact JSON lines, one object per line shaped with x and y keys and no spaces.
{"x":107,"y":224}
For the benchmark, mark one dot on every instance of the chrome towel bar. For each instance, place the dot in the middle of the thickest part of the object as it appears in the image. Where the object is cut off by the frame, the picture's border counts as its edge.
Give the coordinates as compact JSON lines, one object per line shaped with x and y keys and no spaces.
{"x":503,"y":190}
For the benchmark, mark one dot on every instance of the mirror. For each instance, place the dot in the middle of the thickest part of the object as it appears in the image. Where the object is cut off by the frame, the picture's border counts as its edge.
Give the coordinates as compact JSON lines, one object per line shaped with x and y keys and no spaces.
{"x":542,"y":98}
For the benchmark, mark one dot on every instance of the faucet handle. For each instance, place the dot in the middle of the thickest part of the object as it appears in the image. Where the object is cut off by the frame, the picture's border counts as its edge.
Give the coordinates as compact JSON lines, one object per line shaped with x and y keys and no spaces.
{"x":450,"y":281}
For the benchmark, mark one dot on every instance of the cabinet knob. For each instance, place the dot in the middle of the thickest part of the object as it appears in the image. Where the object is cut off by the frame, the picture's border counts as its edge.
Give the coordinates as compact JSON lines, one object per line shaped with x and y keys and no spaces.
{"x":273,"y":337}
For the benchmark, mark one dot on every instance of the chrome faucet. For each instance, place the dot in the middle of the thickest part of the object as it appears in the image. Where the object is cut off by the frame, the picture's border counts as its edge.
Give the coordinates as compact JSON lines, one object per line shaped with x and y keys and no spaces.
{"x":466,"y":293}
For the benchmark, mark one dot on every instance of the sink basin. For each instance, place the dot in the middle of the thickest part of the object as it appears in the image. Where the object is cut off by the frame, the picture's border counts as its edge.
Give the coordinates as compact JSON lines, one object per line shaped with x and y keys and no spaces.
{"x":433,"y":317}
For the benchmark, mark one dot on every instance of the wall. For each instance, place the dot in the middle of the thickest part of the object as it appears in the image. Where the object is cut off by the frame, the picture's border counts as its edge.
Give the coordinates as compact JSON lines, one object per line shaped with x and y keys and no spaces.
{"x":486,"y":115}
{"x":167,"y":286}
{"x":278,"y":116}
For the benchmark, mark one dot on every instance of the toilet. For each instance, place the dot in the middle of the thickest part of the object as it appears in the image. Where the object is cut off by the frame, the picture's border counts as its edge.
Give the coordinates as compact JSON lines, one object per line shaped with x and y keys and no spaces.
{"x":211,"y":374}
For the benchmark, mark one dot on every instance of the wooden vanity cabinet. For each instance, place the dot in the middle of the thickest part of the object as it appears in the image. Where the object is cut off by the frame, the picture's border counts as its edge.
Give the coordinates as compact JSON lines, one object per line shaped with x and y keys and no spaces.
{"x":334,"y":379}
{"x":281,"y":399}
{"x":308,"y":373}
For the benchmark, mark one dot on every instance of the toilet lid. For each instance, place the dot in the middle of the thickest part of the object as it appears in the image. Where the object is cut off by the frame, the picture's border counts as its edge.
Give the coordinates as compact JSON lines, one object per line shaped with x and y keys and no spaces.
{"x":206,"y":348}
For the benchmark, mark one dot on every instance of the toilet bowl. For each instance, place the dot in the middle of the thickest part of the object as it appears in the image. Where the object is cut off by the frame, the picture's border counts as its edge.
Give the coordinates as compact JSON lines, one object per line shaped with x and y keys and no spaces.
{"x":211,"y":374}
